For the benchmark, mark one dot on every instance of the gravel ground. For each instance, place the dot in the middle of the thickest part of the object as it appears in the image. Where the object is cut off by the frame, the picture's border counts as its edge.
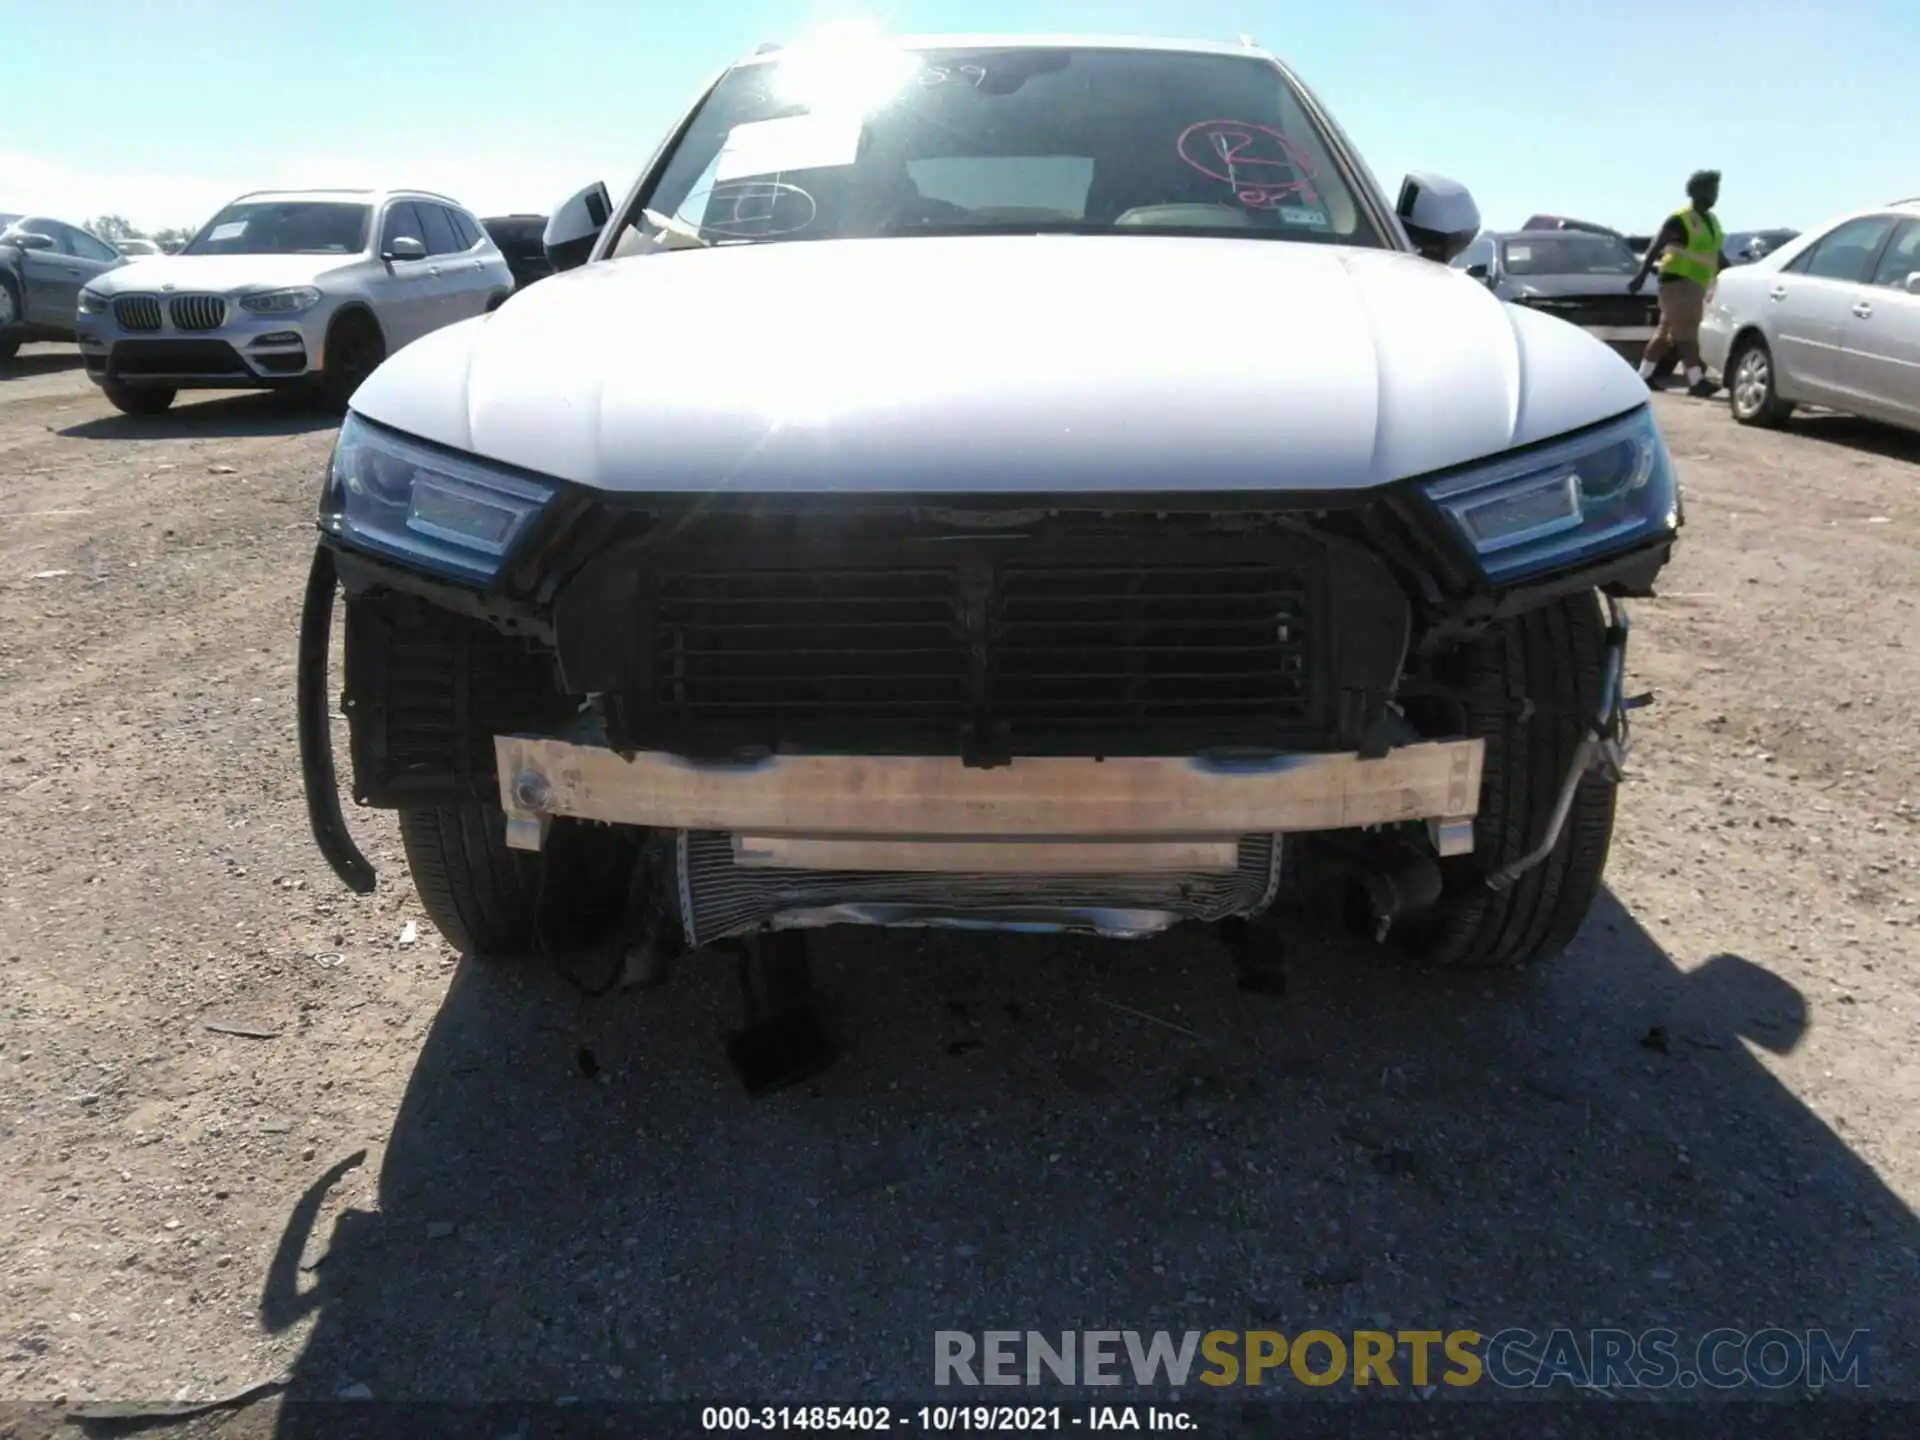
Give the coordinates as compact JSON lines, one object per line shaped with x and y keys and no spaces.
{"x":435,"y":1181}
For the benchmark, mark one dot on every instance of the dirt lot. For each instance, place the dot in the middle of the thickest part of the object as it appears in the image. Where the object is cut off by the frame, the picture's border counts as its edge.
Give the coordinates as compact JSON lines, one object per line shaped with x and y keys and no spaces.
{"x":434,"y":1181}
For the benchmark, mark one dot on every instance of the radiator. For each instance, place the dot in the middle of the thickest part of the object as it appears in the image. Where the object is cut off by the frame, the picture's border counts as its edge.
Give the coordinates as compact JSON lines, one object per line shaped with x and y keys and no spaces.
{"x":720,"y":898}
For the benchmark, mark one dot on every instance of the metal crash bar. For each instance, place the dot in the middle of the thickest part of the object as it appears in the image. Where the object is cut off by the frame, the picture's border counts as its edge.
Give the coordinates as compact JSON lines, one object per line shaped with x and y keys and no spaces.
{"x":929,"y":797}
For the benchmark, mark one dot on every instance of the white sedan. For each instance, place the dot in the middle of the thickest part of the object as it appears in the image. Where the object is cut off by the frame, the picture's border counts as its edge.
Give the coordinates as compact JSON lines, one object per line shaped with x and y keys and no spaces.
{"x":1831,"y":318}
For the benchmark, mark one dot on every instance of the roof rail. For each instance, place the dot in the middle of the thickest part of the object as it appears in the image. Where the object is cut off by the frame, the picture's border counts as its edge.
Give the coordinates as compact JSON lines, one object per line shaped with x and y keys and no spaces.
{"x":1247,"y":42}
{"x":430,"y":194}
{"x":308,"y":190}
{"x":765,"y":47}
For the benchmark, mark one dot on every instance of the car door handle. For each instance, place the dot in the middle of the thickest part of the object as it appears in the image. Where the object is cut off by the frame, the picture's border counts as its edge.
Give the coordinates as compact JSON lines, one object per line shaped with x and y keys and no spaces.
{"x":1863,"y":310}
{"x":433,"y":269}
{"x":1779,"y":292}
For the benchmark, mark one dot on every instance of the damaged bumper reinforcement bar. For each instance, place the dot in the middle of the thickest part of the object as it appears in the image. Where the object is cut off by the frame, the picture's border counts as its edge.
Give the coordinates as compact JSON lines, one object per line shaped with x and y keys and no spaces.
{"x":950,"y":807}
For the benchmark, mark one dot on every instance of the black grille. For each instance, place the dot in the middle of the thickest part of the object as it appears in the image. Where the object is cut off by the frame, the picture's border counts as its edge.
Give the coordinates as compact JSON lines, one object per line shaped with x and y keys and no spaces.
{"x":810,"y":645}
{"x":1602,"y":309}
{"x":198,"y":312}
{"x":1131,"y":646}
{"x":1011,"y":654}
{"x":177,"y":357}
{"x":137,"y":312}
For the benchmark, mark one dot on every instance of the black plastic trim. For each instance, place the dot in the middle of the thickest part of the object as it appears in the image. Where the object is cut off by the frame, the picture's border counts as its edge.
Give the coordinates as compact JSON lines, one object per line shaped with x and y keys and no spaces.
{"x":317,"y":774}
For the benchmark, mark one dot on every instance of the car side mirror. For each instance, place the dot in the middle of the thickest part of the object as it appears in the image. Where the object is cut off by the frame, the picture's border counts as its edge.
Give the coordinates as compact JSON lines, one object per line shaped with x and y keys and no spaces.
{"x":1913,"y":282}
{"x":29,"y":240}
{"x":404,"y":247}
{"x":1438,"y":214}
{"x":1479,"y":270}
{"x":575,"y":224}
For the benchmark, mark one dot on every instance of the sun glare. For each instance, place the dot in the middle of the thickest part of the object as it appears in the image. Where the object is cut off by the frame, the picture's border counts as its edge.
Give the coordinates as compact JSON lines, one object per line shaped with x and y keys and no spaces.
{"x":847,"y":67}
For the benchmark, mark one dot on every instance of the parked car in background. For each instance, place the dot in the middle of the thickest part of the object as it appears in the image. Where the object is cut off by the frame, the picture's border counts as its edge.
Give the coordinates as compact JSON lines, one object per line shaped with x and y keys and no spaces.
{"x":519,"y":239}
{"x":134,"y":245}
{"x":1832,"y":318}
{"x":288,"y":288}
{"x":1562,"y":222}
{"x":1575,"y":275}
{"x":44,"y":264}
{"x":1637,"y":243}
{"x":1743,"y":247}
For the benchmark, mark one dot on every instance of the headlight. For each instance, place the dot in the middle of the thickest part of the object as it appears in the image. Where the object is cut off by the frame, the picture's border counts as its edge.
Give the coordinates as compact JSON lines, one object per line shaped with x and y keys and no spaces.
{"x":435,"y":509}
{"x":281,"y":302}
{"x":1607,"y":490}
{"x":92,"y":302}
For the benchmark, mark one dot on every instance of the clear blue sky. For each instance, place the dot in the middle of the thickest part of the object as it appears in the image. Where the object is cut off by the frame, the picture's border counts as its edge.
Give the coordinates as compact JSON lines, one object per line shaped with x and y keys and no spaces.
{"x":160,"y":109}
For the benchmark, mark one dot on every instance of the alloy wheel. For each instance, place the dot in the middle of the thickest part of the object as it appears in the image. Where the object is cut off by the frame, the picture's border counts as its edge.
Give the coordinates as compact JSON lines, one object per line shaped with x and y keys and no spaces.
{"x":1752,"y":381}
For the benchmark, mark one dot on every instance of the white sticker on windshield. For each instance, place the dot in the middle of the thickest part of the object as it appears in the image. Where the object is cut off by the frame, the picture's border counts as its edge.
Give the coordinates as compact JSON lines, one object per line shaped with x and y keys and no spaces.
{"x":232,"y":230}
{"x":798,"y":142}
{"x":1519,"y":254}
{"x":1298,"y":215}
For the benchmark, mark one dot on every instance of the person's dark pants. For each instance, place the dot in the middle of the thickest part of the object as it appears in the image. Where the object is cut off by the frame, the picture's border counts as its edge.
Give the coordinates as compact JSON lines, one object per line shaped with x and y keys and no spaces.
{"x":1683,"y":304}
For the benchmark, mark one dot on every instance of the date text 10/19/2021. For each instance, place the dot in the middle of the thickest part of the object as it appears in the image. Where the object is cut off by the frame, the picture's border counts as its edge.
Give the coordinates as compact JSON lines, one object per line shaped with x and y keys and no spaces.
{"x":980,"y":1419}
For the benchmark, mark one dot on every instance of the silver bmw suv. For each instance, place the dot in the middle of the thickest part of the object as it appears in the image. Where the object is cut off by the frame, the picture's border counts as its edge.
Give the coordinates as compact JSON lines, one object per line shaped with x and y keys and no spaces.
{"x":288,"y":288}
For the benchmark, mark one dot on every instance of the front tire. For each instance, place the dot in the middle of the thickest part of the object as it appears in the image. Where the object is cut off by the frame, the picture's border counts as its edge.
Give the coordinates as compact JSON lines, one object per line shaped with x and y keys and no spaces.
{"x":495,"y":903}
{"x":10,"y":314}
{"x":1751,"y":393}
{"x":481,"y":895}
{"x":354,"y":351}
{"x":138,"y":399}
{"x":1531,"y":690}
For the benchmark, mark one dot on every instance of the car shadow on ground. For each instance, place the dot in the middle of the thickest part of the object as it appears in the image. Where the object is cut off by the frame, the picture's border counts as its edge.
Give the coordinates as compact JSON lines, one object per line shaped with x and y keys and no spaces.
{"x":247,"y":413}
{"x":1868,"y":435}
{"x":1032,"y":1133}
{"x":38,"y":363}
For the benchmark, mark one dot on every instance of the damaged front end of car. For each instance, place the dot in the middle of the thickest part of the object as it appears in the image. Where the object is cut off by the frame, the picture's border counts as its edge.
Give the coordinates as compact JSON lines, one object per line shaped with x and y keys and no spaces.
{"x":1100,"y":714}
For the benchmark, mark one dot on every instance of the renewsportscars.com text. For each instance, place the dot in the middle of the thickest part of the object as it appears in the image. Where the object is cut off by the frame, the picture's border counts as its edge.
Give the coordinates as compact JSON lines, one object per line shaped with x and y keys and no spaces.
{"x":1512,"y":1358}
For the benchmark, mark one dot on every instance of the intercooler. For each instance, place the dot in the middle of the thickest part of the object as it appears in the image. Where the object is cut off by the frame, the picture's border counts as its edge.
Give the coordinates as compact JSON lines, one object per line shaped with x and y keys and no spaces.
{"x":720,"y":897}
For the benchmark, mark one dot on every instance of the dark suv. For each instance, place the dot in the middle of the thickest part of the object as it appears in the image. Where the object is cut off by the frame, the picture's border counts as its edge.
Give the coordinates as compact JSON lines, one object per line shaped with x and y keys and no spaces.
{"x":518,"y":237}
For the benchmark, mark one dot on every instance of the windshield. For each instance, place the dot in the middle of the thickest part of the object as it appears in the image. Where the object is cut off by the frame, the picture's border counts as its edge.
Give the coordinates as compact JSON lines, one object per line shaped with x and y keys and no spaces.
{"x":284,"y":227}
{"x":882,"y":141}
{"x":1568,"y":253}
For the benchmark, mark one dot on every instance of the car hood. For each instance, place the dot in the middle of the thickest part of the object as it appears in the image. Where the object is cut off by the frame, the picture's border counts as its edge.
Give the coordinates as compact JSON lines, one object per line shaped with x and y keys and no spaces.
{"x":217,"y":272}
{"x":1009,"y":364}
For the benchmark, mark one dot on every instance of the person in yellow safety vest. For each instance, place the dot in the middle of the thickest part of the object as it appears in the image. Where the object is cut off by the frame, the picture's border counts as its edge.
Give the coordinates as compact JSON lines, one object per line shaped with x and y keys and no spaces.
{"x":1689,"y":251}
